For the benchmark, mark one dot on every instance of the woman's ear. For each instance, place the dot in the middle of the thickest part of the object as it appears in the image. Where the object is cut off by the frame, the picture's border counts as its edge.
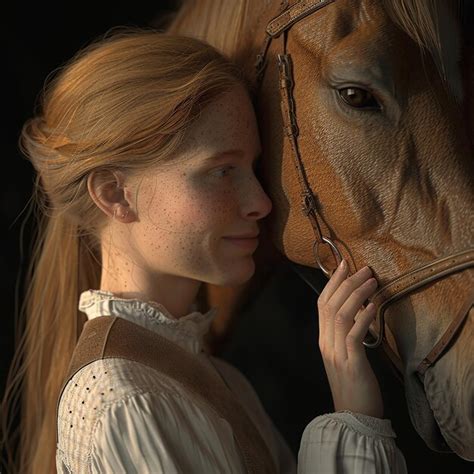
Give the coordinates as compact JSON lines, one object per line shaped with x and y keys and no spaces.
{"x":107,"y":190}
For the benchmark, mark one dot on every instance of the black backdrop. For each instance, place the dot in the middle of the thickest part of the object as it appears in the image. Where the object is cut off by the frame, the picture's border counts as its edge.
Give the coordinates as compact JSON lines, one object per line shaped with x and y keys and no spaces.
{"x":274,"y":343}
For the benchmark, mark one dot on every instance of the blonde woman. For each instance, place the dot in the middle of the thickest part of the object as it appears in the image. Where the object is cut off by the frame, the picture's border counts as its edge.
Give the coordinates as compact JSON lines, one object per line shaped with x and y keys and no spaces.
{"x":145,"y":149}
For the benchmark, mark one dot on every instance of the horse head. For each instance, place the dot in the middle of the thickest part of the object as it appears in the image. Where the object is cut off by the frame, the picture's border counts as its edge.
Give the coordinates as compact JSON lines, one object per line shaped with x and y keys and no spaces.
{"x":385,"y":151}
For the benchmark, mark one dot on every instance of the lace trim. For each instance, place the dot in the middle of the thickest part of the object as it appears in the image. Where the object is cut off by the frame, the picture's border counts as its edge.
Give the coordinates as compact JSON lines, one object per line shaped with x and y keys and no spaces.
{"x":365,"y":424}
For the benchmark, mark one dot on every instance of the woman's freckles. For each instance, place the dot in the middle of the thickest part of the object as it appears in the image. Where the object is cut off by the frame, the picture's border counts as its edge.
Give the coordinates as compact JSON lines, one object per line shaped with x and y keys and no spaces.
{"x":188,"y":206}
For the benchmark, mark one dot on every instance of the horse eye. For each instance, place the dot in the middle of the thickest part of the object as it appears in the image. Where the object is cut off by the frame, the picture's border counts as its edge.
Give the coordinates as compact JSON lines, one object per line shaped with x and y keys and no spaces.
{"x":358,"y":98}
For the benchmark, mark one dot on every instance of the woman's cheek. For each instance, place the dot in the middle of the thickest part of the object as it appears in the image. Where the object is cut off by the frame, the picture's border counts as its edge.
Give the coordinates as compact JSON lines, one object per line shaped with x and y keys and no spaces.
{"x":201,"y":215}
{"x":207,"y":209}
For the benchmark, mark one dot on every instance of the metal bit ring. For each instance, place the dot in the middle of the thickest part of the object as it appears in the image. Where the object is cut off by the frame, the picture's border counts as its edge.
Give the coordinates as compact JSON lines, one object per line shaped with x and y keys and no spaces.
{"x":318,"y":259}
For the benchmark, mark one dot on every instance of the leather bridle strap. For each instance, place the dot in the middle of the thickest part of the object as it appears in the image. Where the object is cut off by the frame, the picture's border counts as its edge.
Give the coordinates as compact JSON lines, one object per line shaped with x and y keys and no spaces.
{"x":414,"y":279}
{"x":447,"y":337}
{"x":281,"y":24}
{"x":411,"y":281}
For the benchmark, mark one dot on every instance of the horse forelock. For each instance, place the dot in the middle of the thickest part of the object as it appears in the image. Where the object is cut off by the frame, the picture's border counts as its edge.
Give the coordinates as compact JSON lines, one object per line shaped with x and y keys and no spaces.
{"x":228,"y":26}
{"x":435,"y":26}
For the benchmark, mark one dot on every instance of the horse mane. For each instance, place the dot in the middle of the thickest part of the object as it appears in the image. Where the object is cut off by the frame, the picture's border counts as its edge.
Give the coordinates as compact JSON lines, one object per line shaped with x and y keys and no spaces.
{"x":229,"y":26}
{"x":433,"y":26}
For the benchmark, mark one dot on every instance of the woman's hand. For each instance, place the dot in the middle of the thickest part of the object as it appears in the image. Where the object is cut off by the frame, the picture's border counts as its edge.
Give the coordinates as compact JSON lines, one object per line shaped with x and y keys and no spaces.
{"x":353,"y":384}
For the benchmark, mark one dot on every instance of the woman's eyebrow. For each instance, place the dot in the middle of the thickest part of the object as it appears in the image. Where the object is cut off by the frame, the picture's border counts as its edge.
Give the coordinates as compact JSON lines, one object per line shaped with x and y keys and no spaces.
{"x":224,"y":154}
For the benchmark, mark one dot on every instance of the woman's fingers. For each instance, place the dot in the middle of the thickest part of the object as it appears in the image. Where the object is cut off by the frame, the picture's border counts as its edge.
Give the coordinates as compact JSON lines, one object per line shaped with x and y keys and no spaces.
{"x":343,"y":323}
{"x":344,"y":318}
{"x":326,"y":325}
{"x":338,"y":304}
{"x":357,"y":334}
{"x":346,"y":288}
{"x":333,"y":284}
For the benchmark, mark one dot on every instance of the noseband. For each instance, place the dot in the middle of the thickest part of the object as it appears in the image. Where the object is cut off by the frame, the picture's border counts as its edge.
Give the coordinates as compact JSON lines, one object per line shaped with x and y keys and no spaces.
{"x":398,"y":287}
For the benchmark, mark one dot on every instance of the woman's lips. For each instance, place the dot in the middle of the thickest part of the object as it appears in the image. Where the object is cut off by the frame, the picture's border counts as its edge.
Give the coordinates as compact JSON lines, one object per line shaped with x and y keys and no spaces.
{"x":247,"y":243}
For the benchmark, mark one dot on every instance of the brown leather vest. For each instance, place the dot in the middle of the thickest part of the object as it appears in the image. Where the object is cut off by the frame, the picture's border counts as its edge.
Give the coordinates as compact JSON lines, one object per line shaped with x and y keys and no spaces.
{"x":111,"y":336}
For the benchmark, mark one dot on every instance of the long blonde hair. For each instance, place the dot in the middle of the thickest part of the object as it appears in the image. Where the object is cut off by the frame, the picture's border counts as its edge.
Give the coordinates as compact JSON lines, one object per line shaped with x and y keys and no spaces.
{"x":123,"y":102}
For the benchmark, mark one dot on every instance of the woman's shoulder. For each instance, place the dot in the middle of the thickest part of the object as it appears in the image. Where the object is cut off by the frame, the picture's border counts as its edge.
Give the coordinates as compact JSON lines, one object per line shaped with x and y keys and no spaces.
{"x":229,"y":371}
{"x":137,"y":421}
{"x":237,"y":380}
{"x":97,"y":388}
{"x":101,"y":384}
{"x":105,"y":381}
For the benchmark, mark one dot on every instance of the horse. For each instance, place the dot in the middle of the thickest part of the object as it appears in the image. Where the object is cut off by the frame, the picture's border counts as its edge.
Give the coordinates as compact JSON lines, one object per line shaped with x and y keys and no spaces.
{"x":362,"y":112}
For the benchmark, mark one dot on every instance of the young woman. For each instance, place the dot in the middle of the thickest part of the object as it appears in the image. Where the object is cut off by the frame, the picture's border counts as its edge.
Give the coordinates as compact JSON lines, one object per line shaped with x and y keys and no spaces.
{"x":145,"y":150}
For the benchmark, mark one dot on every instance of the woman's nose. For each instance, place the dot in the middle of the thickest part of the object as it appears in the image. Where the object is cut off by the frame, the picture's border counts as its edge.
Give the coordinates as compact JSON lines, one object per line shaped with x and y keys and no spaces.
{"x":259,"y":202}
{"x":268,"y":203}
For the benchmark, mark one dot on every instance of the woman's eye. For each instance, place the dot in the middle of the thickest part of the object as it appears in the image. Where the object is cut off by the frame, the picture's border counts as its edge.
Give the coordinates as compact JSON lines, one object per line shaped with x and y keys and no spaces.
{"x":359,"y":98}
{"x":222,"y":170}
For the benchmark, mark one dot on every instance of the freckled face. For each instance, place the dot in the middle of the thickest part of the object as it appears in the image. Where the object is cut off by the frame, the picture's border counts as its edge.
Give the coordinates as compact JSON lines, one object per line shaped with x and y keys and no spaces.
{"x":185,"y":208}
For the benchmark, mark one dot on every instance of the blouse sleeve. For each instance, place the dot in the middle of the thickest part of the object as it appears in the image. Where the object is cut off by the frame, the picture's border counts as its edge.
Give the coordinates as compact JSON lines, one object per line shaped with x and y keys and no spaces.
{"x":346,"y":442}
{"x":161,"y":433}
{"x":341,"y":442}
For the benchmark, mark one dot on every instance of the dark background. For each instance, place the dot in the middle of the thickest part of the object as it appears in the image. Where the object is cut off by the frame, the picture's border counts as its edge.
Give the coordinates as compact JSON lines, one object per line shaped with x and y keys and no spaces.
{"x":278,"y":354}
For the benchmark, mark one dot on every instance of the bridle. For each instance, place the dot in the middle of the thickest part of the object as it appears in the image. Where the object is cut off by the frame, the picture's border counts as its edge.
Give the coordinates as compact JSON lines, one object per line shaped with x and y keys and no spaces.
{"x":398,"y":287}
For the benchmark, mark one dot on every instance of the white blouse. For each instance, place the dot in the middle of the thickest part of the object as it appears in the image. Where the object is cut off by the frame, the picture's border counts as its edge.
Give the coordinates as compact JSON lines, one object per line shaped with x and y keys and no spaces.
{"x":120,"y":416}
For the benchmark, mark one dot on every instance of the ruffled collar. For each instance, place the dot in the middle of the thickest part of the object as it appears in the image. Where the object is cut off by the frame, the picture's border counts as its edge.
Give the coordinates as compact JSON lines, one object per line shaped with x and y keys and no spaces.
{"x":187,"y":332}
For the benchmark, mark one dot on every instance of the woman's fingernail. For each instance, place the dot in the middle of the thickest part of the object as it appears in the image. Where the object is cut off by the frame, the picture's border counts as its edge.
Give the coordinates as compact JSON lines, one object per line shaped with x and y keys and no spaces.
{"x":370,"y":307}
{"x":342,"y":265}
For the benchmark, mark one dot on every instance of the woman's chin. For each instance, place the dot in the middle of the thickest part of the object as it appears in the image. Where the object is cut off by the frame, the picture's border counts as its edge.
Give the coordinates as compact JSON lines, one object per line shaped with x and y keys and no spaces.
{"x":238,"y":273}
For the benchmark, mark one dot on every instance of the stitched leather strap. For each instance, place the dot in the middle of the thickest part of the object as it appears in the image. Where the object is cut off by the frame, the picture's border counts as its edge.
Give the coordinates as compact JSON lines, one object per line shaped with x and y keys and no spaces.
{"x":450,"y":332}
{"x":293,"y":14}
{"x":414,"y":279}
